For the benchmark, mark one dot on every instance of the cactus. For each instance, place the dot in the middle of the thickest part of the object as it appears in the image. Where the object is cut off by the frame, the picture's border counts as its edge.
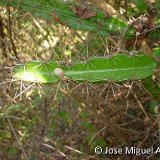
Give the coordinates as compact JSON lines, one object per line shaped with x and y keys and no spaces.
{"x":62,"y":10}
{"x":98,"y":69}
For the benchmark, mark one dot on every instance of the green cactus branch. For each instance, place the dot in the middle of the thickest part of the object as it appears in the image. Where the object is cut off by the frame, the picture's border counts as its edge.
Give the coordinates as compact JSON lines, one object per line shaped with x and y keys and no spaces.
{"x":63,"y":12}
{"x":117,"y":68}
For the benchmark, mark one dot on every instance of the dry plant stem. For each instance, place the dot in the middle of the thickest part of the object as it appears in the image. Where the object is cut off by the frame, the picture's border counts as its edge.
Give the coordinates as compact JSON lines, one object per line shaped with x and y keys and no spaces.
{"x":2,"y":38}
{"x":158,"y":122}
{"x":49,"y":146}
{"x":151,"y":156}
{"x":13,"y":117}
{"x":146,"y":49}
{"x":103,"y":42}
{"x":120,"y":42}
{"x":113,"y":41}
{"x":147,"y":135}
{"x":79,"y":36}
{"x":37,"y":24}
{"x":57,"y":89}
{"x":23,"y":91}
{"x":10,"y":33}
{"x":72,"y":149}
{"x":12,"y":129}
{"x":115,"y":130}
{"x":149,"y":30}
{"x":10,"y":81}
{"x":96,"y":134}
{"x":139,"y":103}
{"x":134,"y":118}
{"x":136,"y":98}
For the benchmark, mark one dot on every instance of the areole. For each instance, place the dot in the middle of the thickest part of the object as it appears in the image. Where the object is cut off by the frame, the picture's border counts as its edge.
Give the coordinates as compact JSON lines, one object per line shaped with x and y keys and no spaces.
{"x":59,"y":72}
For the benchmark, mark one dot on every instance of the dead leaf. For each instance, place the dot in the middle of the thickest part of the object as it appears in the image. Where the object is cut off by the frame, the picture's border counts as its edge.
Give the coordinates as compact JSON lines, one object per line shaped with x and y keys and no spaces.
{"x":56,"y":18}
{"x":82,"y":12}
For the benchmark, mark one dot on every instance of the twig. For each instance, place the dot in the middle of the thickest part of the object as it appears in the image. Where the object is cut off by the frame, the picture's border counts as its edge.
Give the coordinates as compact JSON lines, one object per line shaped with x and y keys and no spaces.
{"x":72,"y":149}
{"x":51,"y":147}
{"x":135,"y":96}
{"x":2,"y":38}
{"x":23,"y":91}
{"x":97,"y":133}
{"x":149,"y":30}
{"x":13,"y":117}
{"x":10,"y":33}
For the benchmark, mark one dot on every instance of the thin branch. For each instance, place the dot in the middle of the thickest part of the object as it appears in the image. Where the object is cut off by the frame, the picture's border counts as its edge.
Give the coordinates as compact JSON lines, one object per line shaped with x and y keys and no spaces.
{"x":10,"y":33}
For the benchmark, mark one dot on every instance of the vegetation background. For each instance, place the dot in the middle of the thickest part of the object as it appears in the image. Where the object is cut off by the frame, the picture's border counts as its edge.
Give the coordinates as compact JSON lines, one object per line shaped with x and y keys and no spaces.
{"x":68,"y":120}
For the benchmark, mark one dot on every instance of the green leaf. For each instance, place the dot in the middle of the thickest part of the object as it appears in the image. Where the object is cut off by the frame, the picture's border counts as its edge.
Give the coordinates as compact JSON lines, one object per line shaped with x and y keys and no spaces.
{"x":154,"y":107}
{"x":141,"y":5}
{"x":11,"y":151}
{"x":155,"y":34}
{"x":151,"y":87}
{"x":98,"y":141}
{"x":14,"y":107}
{"x":156,"y":51}
{"x":62,"y":114}
{"x":65,"y":116}
{"x":117,"y":68}
{"x":158,"y":4}
{"x":86,"y":124}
